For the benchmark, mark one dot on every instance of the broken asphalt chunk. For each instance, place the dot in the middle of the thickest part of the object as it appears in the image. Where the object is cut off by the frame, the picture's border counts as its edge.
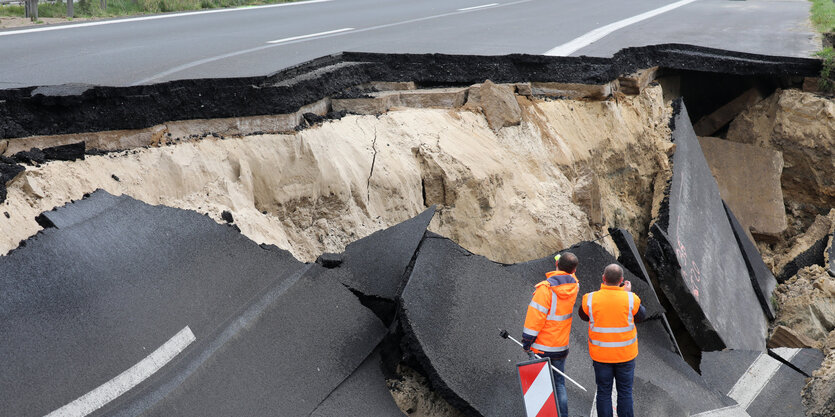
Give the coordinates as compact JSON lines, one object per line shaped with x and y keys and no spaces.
{"x":760,"y":384}
{"x":86,"y":301}
{"x":696,"y":257}
{"x":762,"y":280}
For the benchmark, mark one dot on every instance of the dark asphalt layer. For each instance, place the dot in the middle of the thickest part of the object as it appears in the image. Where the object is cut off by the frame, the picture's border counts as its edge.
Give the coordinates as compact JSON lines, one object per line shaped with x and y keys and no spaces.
{"x":364,"y":393}
{"x":81,"y":304}
{"x":762,"y":279}
{"x":302,"y":347}
{"x":455,"y":303}
{"x":376,"y":264}
{"x":780,"y":395}
{"x":707,"y":282}
{"x":235,"y":43}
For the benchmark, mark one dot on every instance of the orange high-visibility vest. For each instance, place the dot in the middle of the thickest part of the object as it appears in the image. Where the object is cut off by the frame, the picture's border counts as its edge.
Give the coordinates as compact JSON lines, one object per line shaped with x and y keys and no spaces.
{"x":549,"y":313}
{"x":612,"y":334}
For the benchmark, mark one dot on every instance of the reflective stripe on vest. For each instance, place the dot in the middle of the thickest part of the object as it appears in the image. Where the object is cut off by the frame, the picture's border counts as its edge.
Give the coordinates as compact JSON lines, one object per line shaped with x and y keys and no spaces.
{"x":528,"y":331}
{"x":549,"y":348}
{"x":551,"y":316}
{"x":630,"y":327}
{"x":536,"y":305}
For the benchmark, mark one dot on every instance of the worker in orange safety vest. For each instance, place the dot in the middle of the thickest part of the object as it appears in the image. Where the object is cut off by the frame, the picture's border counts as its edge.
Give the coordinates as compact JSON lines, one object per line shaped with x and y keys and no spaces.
{"x":613,"y":339}
{"x":548,"y":320}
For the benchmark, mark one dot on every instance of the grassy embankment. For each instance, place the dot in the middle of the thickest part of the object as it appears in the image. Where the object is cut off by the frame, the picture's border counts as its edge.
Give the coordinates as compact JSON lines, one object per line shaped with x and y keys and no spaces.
{"x":823,"y":18}
{"x":92,"y":8}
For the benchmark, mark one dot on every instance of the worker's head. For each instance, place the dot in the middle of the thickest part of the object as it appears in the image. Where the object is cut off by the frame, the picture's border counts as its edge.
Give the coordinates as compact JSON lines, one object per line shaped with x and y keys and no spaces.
{"x":567,"y":262}
{"x":613,"y":274}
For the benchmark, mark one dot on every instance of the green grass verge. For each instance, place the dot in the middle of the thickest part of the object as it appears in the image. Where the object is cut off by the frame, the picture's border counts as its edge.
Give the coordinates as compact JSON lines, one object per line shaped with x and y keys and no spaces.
{"x":827,"y":79}
{"x":92,"y":8}
{"x":823,"y":15}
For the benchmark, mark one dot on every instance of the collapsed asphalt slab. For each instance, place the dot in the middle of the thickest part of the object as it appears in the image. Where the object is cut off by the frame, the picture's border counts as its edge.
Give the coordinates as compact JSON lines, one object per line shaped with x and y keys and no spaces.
{"x":295,"y":347}
{"x":762,"y":280}
{"x":74,"y":109}
{"x":696,"y":257}
{"x":455,"y":302}
{"x":87,"y":301}
{"x":364,"y":393}
{"x":375,"y":265}
{"x":759,"y":383}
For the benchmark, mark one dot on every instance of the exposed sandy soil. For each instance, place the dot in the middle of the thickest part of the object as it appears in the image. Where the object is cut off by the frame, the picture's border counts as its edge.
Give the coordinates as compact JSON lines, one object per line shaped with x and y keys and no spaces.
{"x":567,"y":170}
{"x":412,"y":394}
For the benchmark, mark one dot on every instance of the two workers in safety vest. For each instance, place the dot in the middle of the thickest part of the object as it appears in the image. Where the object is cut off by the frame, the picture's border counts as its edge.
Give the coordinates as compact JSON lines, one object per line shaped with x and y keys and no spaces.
{"x":612,"y":337}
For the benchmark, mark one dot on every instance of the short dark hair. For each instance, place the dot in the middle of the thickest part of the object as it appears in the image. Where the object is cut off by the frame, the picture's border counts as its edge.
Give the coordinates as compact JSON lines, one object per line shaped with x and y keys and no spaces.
{"x":612,"y":274}
{"x":568,"y":262}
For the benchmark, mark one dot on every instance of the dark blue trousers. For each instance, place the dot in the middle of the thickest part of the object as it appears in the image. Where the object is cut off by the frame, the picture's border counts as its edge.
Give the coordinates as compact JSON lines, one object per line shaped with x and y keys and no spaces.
{"x":622,"y":374}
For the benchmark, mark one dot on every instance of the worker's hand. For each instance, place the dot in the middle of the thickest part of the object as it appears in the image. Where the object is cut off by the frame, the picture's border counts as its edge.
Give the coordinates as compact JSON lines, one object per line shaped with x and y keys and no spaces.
{"x":627,"y":285}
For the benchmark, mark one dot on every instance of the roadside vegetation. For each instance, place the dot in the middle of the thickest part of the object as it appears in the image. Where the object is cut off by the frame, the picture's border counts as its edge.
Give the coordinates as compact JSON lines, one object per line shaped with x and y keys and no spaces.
{"x":92,"y":8}
{"x":823,"y":15}
{"x":823,"y":18}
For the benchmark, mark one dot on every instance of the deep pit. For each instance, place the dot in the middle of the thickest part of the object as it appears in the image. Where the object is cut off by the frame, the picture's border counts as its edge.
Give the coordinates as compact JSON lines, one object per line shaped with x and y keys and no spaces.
{"x":555,"y":153}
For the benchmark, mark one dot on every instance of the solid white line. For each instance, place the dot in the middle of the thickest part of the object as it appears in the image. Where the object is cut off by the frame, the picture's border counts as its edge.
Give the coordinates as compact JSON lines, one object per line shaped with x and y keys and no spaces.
{"x":312,"y":35}
{"x":123,"y":382}
{"x":597,"y":34}
{"x":757,"y":376}
{"x":477,"y":7}
{"x":199,"y":62}
{"x":161,"y":16}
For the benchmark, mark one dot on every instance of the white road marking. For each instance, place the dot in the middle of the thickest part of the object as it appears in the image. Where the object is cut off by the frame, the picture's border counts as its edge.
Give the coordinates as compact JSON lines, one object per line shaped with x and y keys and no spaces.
{"x":477,"y":7}
{"x":123,"y":382}
{"x":757,"y":376}
{"x":199,"y":62}
{"x":312,"y":35}
{"x":156,"y":17}
{"x":597,"y":34}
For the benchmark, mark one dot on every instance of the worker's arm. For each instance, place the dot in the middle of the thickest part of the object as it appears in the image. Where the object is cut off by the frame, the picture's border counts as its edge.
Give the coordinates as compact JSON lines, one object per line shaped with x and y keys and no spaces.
{"x":641,"y":315}
{"x":535,"y":318}
{"x":580,"y":312}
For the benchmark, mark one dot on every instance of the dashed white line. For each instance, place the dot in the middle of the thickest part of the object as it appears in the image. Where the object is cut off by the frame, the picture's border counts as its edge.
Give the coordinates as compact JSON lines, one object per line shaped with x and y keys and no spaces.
{"x":203,"y":61}
{"x":312,"y":35}
{"x":162,"y":16}
{"x":128,"y":379}
{"x":597,"y":34}
{"x":478,"y":7}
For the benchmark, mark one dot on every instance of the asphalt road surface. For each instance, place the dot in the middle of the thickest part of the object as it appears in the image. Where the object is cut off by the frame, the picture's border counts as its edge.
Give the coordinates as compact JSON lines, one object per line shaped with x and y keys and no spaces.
{"x":262,"y":40}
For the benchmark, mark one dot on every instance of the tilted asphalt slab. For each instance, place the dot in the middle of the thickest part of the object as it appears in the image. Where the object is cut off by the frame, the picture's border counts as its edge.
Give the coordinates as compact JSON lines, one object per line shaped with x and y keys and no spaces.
{"x":376,"y":264}
{"x":696,"y":257}
{"x":213,"y":323}
{"x":761,"y":384}
{"x":762,"y":280}
{"x":455,"y":302}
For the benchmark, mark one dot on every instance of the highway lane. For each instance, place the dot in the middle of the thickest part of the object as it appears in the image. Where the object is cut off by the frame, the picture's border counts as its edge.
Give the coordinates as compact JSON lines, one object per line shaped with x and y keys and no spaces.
{"x":235,"y":42}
